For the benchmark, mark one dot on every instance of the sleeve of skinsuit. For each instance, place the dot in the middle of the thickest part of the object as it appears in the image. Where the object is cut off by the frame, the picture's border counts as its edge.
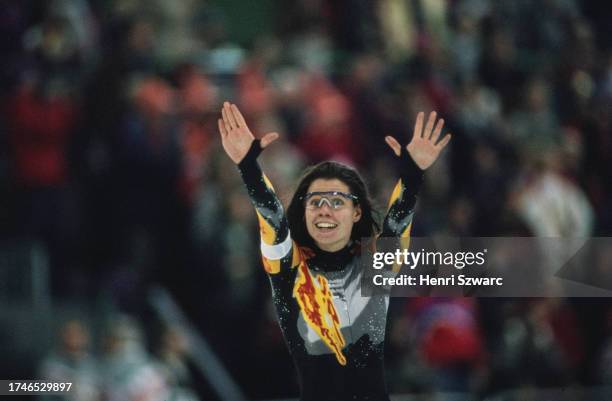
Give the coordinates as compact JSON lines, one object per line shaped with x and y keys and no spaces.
{"x":398,"y":220}
{"x":277,"y":248}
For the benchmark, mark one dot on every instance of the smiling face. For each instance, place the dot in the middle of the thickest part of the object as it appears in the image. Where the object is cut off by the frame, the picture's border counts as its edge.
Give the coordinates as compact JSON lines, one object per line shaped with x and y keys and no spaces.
{"x":331,"y":228}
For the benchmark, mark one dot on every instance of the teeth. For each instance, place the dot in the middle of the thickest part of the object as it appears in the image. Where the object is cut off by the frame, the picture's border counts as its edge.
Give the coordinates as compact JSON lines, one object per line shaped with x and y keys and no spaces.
{"x":326,"y":225}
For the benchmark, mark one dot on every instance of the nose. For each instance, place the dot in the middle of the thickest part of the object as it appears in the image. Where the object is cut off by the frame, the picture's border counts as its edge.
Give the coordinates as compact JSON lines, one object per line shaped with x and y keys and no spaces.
{"x":325,"y":209}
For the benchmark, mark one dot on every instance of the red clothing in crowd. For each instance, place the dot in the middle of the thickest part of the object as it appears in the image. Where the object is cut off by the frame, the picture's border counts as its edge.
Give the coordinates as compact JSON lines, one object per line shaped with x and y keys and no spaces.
{"x":39,"y":132}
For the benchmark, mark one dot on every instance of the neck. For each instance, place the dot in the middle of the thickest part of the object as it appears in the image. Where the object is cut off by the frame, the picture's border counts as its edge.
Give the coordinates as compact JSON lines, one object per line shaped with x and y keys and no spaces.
{"x":333,"y":260}
{"x":332,"y":248}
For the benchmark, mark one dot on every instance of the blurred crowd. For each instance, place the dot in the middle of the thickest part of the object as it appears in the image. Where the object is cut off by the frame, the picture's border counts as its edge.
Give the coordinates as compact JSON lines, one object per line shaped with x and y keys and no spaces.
{"x":125,"y":370}
{"x":110,"y":156}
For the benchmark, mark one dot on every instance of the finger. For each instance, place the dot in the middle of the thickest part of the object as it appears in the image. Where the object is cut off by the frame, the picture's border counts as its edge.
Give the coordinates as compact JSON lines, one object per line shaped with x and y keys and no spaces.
{"x":444,"y":142}
{"x":225,"y":120}
{"x":222,"y":128}
{"x":430,"y":124}
{"x":394,"y":145}
{"x":436,"y":134}
{"x":268,"y":139}
{"x":229,"y":115}
{"x":418,"y":125}
{"x":238,"y":116}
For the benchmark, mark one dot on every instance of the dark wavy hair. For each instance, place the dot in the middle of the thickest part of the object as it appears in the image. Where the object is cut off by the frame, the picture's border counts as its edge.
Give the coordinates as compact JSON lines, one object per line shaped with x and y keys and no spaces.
{"x":367,"y":225}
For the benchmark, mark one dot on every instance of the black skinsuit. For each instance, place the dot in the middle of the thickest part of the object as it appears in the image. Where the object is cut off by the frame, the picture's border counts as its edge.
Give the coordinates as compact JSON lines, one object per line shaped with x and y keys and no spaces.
{"x":335,"y":336}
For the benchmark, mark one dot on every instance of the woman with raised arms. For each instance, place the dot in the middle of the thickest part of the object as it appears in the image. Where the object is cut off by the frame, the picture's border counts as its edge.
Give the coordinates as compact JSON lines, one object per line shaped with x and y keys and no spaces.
{"x":311,"y":255}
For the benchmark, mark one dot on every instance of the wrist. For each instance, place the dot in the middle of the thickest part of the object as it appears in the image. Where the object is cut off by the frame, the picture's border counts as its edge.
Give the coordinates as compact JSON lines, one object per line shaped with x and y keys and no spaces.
{"x":252,"y":154}
{"x":410,"y":171}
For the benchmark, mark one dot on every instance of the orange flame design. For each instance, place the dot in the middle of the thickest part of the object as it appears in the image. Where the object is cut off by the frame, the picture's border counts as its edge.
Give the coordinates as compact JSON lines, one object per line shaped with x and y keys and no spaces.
{"x":318,"y":309}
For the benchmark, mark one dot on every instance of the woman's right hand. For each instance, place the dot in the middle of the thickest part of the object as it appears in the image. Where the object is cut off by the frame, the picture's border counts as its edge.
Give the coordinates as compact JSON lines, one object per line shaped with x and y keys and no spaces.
{"x":236,"y":136}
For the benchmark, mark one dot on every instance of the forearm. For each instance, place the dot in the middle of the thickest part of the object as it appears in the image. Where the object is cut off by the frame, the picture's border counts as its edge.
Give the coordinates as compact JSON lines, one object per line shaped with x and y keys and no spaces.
{"x":398,"y":220}
{"x":276,"y":242}
{"x":263,"y":197}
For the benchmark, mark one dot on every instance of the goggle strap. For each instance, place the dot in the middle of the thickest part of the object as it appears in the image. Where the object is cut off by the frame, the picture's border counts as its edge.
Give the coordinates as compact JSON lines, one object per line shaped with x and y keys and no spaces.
{"x":330,"y":193}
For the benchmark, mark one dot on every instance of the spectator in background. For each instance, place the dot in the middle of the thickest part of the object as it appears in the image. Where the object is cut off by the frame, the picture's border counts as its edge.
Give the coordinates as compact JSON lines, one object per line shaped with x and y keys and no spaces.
{"x":538,"y":346}
{"x":41,"y":121}
{"x":328,"y":133}
{"x":72,"y":363}
{"x":535,"y":124}
{"x":173,"y":358}
{"x":446,"y":333}
{"x":127,"y":370}
{"x":550,"y":204}
{"x":196,"y":99}
{"x":499,"y":67}
{"x":148,"y":180}
{"x":478,"y":109}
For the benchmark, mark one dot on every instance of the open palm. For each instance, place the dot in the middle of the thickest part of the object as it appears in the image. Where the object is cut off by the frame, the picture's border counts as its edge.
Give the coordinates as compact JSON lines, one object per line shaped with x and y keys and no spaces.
{"x":235,"y":134}
{"x":424,"y":147}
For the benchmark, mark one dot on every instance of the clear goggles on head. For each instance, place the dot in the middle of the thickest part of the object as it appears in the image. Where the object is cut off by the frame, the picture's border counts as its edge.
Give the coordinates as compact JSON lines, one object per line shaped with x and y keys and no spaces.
{"x":334,"y":199}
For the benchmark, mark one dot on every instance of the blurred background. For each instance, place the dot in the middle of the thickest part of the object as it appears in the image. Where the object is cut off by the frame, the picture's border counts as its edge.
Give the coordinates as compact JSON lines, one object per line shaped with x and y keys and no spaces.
{"x":129,"y":258}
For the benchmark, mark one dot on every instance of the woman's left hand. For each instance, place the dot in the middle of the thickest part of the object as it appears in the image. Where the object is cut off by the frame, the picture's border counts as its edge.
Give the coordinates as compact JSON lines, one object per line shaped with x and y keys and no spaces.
{"x":424,"y":148}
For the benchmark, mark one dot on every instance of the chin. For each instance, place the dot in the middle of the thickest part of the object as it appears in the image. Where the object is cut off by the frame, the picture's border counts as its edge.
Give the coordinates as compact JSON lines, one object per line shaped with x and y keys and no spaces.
{"x":328,"y":242}
{"x":325,"y":244}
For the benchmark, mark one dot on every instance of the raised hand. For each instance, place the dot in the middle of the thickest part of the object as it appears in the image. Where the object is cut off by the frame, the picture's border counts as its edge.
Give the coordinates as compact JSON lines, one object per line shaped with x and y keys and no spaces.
{"x":236,"y":136}
{"x":424,"y":147}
